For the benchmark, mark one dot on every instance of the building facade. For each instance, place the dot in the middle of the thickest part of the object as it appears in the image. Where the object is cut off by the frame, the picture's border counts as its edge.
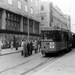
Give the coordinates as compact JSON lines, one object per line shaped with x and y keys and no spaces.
{"x":52,"y":16}
{"x":68,"y":20}
{"x":18,"y":18}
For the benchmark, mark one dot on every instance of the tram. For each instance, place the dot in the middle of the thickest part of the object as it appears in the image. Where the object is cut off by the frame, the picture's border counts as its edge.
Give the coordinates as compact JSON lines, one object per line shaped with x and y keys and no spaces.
{"x":55,"y":40}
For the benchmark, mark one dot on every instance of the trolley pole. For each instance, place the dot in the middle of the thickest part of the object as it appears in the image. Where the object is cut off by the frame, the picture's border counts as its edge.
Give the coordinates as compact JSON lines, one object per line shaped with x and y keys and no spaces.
{"x":28,"y":29}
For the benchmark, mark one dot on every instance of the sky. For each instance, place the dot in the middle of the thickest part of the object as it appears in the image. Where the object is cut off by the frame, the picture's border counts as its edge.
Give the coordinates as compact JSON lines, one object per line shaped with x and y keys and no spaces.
{"x":67,"y":7}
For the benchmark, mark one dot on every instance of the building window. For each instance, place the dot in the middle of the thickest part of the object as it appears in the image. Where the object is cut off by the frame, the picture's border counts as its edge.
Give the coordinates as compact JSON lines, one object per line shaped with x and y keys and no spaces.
{"x":30,"y":26}
{"x":42,"y":7}
{"x":19,"y":4}
{"x":36,"y":27}
{"x":42,"y":18}
{"x":37,"y":14}
{"x":36,"y":2}
{"x":31,"y":1}
{"x":12,"y":21}
{"x":9,"y":2}
{"x":25,"y":24}
{"x":26,"y":8}
{"x":32,"y":10}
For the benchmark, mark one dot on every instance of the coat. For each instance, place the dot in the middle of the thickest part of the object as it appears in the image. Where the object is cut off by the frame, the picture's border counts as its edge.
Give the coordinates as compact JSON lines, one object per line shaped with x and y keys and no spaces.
{"x":25,"y":51}
{"x":35,"y":45}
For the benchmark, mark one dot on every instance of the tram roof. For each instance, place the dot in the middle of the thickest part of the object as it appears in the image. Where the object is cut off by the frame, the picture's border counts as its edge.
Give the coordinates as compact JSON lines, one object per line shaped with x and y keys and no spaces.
{"x":54,"y":29}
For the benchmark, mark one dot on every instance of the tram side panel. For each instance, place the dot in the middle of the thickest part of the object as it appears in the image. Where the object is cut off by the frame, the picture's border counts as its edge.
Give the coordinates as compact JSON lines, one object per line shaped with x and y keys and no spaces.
{"x":47,"y":48}
{"x":52,"y":47}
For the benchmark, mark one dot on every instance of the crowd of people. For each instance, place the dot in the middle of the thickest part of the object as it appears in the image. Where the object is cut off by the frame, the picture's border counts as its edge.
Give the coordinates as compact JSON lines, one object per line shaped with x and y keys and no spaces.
{"x":29,"y":47}
{"x":12,"y":44}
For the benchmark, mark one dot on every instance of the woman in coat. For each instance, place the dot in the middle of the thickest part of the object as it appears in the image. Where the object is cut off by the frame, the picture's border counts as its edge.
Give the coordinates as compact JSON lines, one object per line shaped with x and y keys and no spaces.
{"x":25,"y":51}
{"x":36,"y":46}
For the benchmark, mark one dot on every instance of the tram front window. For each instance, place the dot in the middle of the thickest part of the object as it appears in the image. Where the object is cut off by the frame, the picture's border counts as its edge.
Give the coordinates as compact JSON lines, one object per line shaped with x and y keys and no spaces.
{"x":51,"y":36}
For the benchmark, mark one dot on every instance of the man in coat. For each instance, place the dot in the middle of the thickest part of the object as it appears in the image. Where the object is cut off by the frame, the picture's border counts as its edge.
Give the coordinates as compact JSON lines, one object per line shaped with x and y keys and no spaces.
{"x":28,"y":47}
{"x":31,"y":47}
{"x":25,"y":50}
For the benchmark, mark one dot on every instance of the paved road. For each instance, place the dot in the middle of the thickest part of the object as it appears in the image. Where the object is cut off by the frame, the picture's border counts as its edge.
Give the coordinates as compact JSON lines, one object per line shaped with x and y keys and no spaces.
{"x":37,"y":64}
{"x":15,"y":64}
{"x":63,"y":66}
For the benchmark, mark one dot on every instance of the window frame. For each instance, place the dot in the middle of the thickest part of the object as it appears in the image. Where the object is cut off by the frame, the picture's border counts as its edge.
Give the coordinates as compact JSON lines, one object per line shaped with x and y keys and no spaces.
{"x":25,"y":8}
{"x":52,"y":35}
{"x":37,"y":27}
{"x":42,"y":7}
{"x":13,"y":20}
{"x":42,"y":18}
{"x":25,"y":24}
{"x":37,"y":3}
{"x":10,"y":2}
{"x":31,"y":10}
{"x":19,"y":5}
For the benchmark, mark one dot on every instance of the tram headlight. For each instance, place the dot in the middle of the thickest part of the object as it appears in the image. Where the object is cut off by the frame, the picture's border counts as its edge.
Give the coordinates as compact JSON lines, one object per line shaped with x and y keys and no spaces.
{"x":51,"y":44}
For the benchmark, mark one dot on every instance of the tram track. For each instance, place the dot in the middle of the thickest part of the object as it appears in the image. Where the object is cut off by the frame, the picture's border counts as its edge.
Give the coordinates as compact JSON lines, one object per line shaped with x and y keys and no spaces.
{"x":41,"y":64}
{"x":21,"y":64}
{"x":47,"y":61}
{"x":27,"y":70}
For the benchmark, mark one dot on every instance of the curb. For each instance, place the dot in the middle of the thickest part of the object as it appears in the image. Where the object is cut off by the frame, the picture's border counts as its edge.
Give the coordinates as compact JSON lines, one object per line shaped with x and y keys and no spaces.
{"x":10,"y":53}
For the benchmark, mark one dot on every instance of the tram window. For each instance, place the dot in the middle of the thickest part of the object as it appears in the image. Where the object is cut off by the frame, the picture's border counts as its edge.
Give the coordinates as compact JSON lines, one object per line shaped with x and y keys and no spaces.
{"x":52,"y":35}
{"x":58,"y":36}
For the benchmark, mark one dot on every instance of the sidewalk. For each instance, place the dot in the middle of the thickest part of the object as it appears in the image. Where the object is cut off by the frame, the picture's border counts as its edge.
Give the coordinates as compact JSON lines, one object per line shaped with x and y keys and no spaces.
{"x":63,"y":66}
{"x":10,"y":51}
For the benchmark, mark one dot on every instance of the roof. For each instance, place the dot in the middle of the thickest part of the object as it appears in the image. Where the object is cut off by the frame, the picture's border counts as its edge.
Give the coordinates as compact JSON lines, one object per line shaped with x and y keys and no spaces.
{"x":54,"y":29}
